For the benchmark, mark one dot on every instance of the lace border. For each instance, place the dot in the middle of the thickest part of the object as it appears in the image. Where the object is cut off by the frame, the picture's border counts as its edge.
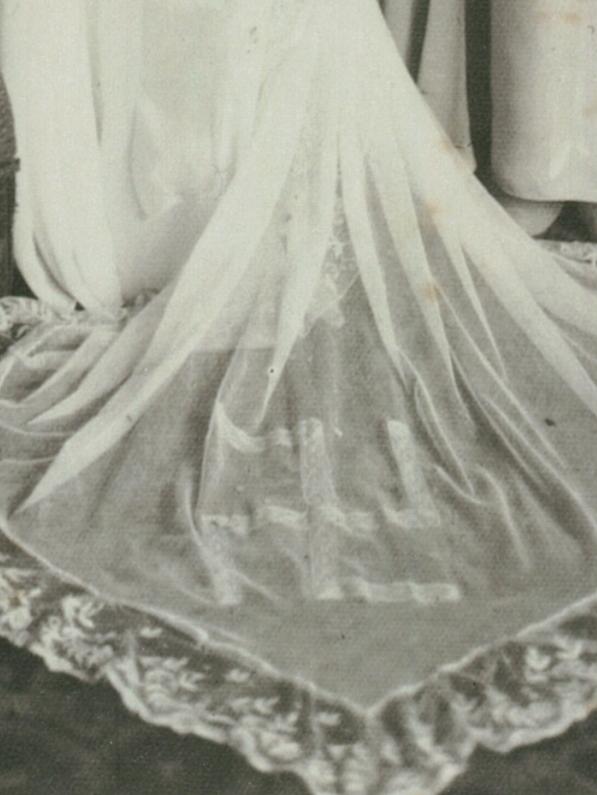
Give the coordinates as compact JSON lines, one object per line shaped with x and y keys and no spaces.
{"x":521,"y":691}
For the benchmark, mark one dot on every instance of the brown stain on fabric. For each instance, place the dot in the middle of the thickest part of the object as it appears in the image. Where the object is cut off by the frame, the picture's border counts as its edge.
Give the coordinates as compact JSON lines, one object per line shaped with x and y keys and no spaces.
{"x":572,"y":18}
{"x":434,"y":208}
{"x":564,"y":17}
{"x":431,"y":292}
{"x":446,"y":145}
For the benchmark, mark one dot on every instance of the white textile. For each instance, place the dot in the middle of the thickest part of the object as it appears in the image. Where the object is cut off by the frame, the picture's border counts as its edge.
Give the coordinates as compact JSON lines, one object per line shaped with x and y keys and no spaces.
{"x":347,"y":429}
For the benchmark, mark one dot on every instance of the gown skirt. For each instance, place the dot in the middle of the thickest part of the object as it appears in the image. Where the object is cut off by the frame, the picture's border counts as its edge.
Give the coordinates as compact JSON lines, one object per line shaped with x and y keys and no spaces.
{"x":544,"y":66}
{"x":431,"y":37}
{"x":541,"y":63}
{"x":298,"y":437}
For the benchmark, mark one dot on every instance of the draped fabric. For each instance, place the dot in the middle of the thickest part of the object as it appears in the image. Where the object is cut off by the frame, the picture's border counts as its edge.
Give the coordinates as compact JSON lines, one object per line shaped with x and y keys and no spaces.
{"x":542,"y":64}
{"x":545,"y":96}
{"x":296,"y":387}
{"x":431,"y":37}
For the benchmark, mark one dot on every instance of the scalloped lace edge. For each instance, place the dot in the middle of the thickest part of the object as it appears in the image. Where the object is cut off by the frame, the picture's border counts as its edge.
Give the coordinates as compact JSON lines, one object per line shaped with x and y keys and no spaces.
{"x":518,"y":691}
{"x":515,"y":692}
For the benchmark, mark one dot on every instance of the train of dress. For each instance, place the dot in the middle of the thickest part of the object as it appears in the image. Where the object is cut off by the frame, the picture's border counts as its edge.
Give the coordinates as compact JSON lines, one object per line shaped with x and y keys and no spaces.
{"x":334,"y":438}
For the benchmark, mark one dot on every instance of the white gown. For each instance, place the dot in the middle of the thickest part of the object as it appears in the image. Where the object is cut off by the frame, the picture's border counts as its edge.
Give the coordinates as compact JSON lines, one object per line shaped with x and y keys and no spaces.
{"x":318,"y":444}
{"x":544,"y":67}
{"x":431,"y":37}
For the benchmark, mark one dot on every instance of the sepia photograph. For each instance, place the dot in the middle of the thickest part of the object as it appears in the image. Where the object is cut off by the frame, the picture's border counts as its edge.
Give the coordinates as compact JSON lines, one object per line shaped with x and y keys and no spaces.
{"x":298,"y":397}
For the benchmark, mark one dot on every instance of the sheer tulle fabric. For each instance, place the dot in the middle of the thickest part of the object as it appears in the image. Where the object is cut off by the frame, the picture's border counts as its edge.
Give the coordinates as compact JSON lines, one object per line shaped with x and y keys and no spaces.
{"x":431,"y":37}
{"x":346,"y":428}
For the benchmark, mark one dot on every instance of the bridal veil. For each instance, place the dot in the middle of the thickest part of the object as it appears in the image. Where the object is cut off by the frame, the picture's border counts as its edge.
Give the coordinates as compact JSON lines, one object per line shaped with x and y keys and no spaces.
{"x":296,"y":389}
